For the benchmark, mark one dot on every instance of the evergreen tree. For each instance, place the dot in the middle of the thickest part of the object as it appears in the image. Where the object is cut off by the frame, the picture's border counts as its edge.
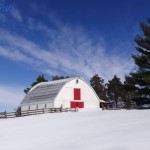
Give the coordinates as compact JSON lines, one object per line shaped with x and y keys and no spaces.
{"x":114,"y":90}
{"x":128,"y":93}
{"x":18,"y":111}
{"x":98,"y":85}
{"x":59,"y":77}
{"x":39,"y":79}
{"x":139,"y":81}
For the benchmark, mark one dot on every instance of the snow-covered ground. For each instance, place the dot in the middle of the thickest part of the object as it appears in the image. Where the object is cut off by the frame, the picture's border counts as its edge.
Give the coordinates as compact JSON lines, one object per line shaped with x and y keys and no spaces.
{"x":85,"y":130}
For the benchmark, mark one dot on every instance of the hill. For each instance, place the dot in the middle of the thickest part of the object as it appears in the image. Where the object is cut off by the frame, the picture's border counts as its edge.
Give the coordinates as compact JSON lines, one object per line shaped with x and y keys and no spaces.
{"x":85,"y":130}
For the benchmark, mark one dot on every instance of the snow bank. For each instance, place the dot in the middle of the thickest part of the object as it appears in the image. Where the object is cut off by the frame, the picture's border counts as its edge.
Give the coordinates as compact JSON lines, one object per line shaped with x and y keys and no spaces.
{"x":85,"y":130}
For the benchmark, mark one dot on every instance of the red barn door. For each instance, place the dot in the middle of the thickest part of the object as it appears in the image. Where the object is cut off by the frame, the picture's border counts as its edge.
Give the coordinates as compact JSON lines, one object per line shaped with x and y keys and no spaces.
{"x":80,"y":104}
{"x":73,"y":104}
{"x":77,"y":94}
{"x":77,"y":104}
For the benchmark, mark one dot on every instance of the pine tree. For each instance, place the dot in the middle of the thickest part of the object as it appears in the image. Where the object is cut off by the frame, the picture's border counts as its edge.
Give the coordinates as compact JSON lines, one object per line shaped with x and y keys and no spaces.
{"x":139,"y":81}
{"x":98,"y":85}
{"x":18,"y":111}
{"x":114,"y":90}
{"x":128,"y":93}
{"x":40,"y":78}
{"x":59,"y":77}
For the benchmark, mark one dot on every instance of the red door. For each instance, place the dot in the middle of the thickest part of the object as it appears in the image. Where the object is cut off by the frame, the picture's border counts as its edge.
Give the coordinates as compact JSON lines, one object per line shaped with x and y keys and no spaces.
{"x":77,"y":104}
{"x":73,"y":104}
{"x":80,"y":104}
{"x":77,"y":94}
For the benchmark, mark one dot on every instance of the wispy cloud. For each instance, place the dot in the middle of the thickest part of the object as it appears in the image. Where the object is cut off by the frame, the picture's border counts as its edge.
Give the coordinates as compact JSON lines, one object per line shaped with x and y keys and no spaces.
{"x":16,"y":15}
{"x":2,"y":18}
{"x":69,"y":50}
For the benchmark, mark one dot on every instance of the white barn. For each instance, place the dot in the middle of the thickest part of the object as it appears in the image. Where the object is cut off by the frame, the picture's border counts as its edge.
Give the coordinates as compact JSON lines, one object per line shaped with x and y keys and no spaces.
{"x":65,"y":93}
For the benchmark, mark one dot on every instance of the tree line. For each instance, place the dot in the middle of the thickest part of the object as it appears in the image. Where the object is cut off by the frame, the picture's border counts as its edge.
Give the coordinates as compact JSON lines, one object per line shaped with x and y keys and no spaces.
{"x":114,"y":91}
{"x":135,"y":88}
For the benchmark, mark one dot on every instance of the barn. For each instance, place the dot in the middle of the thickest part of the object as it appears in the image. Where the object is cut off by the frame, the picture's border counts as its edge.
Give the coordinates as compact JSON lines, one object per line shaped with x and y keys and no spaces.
{"x":65,"y":93}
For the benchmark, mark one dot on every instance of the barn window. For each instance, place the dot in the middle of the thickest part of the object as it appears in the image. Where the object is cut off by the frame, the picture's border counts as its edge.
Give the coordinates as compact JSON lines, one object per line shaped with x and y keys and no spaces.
{"x":77,"y":94}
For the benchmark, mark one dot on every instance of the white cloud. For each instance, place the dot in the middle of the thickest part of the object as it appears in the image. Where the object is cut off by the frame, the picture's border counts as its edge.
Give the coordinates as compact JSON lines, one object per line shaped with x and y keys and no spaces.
{"x":16,"y":15}
{"x":10,"y":96}
{"x":70,"y":50}
{"x":15,"y":55}
{"x":2,"y":18}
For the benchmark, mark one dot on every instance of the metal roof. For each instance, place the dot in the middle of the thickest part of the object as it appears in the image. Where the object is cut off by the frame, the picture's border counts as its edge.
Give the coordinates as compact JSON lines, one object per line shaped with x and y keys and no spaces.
{"x":44,"y":92}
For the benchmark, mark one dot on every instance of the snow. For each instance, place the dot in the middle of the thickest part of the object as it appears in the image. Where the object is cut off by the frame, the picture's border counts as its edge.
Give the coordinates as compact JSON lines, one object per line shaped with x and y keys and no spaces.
{"x":84,"y":130}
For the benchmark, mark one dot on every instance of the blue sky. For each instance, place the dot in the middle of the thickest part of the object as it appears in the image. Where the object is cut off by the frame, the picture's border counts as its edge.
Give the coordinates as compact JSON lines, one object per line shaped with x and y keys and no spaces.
{"x":65,"y":37}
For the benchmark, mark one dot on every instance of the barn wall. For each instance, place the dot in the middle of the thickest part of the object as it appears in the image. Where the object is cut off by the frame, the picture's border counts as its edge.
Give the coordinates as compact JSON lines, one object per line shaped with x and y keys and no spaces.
{"x":40,"y":106}
{"x":37,"y":106}
{"x":24,"y":108}
{"x":67,"y":94}
{"x":33,"y":107}
{"x":49,"y":105}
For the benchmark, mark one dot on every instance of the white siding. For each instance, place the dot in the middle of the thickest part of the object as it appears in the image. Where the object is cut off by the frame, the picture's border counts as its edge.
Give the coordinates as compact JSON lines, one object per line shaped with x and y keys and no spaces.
{"x":40,"y":106}
{"x":33,"y":107}
{"x":24,"y":108}
{"x":66,"y":95}
{"x":49,"y":105}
